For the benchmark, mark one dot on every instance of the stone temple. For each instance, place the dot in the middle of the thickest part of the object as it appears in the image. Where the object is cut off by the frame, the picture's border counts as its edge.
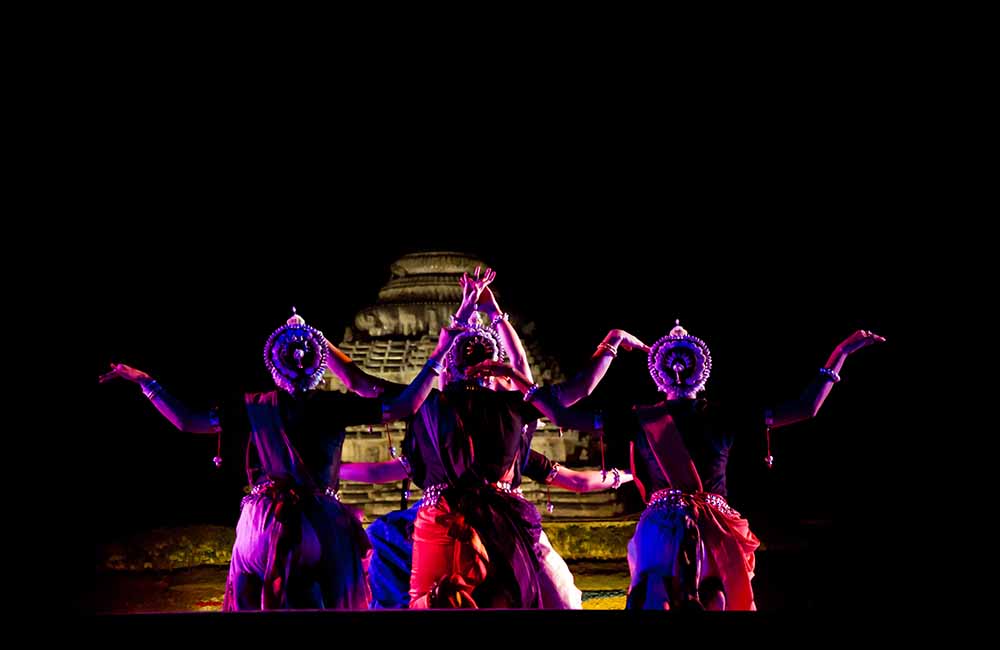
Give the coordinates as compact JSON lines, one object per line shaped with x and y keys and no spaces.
{"x":392,"y":339}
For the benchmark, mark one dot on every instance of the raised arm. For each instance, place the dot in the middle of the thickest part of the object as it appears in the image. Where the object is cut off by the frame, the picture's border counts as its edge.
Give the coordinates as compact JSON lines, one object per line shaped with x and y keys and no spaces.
{"x":584,"y":382}
{"x":182,"y":417}
{"x":408,"y":402}
{"x":498,"y":318}
{"x":357,"y":380}
{"x":541,"y":398}
{"x":812,"y":398}
{"x":477,"y":295}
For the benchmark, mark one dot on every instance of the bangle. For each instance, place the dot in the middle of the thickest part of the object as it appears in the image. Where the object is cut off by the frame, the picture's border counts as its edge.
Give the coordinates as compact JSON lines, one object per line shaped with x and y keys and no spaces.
{"x":213,"y":419}
{"x":830,"y":374}
{"x":434,"y":366}
{"x":610,"y":349}
{"x":552,"y":473}
{"x":404,"y":461}
{"x":530,"y":393}
{"x":499,"y":317}
{"x":151,"y":389}
{"x":616,"y":477}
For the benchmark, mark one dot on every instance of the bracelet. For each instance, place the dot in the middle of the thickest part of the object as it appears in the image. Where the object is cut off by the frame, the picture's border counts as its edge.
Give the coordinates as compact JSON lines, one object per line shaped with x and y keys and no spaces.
{"x":552,"y":473}
{"x":151,"y":389}
{"x":530,"y":393}
{"x":499,"y":317}
{"x":213,"y":419}
{"x":610,"y":349}
{"x":434,"y":366}
{"x":404,"y":461}
{"x":616,"y":477}
{"x":830,"y":374}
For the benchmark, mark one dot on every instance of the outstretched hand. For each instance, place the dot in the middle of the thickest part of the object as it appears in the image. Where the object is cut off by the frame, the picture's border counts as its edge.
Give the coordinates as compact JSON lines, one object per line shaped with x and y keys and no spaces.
{"x":858,"y":340}
{"x":125,"y":372}
{"x":473,"y":285}
{"x":621,"y":338}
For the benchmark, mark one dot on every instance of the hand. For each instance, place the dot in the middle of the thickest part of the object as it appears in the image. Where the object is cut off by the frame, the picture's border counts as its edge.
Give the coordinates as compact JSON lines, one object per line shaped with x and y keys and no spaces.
{"x":125,"y":372}
{"x":625,"y":340}
{"x":472,"y":288}
{"x":480,"y":283}
{"x":858,"y":340}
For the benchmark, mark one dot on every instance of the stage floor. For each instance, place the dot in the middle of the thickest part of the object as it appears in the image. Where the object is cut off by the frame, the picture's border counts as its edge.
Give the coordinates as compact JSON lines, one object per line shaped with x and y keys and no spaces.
{"x":786,"y":580}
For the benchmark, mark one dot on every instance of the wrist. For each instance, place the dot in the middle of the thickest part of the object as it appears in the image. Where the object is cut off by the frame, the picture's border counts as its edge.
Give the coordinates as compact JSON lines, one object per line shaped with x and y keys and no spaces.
{"x":829,"y":374}
{"x":498,"y":317}
{"x":434,"y":365}
{"x":150,"y":388}
{"x":613,"y":338}
{"x":463,"y":316}
{"x":438,"y":355}
{"x":609,"y":345}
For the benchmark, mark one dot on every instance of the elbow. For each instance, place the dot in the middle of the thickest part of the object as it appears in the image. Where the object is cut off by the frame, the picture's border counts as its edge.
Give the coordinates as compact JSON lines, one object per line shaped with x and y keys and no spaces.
{"x":569,"y":419}
{"x":570,"y":397}
{"x":589,"y":387}
{"x":363,"y":387}
{"x":798,"y":415}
